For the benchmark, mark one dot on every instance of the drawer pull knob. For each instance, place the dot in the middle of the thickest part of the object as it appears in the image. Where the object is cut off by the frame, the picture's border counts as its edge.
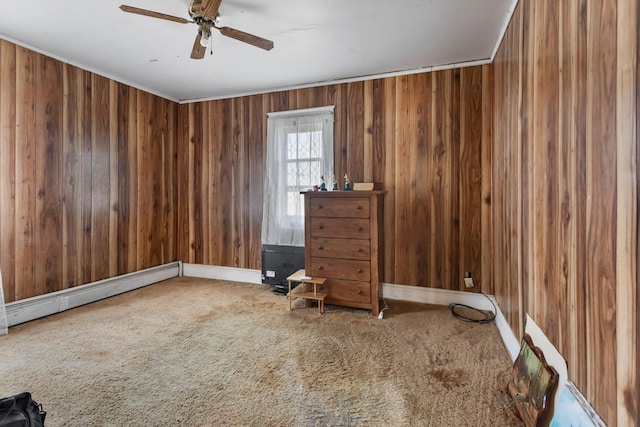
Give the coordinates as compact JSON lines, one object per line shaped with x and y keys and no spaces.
{"x":359,"y":208}
{"x":319,"y":206}
{"x":320,"y":247}
{"x":359,"y":292}
{"x":360,"y":250}
{"x":359,"y":228}
{"x":320,"y":227}
{"x":359,"y":270}
{"x":320,"y":267}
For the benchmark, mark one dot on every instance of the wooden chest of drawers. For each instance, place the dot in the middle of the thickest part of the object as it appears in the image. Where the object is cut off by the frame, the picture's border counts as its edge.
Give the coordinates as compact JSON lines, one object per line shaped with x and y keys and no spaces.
{"x":343,"y":242}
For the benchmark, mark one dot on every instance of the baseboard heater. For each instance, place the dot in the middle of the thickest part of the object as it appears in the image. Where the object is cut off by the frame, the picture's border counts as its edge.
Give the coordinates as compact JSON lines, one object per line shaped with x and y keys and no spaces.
{"x":280,"y":262}
{"x":55,"y":302}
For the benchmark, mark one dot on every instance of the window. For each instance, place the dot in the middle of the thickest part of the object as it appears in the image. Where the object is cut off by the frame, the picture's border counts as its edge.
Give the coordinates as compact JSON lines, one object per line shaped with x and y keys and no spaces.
{"x":304,"y":166}
{"x":299,"y":154}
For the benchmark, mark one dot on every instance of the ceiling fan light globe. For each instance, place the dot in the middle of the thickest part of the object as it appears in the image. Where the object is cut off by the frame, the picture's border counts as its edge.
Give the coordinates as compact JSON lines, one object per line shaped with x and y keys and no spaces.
{"x":204,"y":40}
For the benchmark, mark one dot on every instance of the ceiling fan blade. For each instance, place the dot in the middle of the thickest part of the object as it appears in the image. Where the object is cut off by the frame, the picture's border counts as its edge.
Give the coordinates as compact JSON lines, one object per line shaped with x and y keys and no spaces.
{"x":210,"y":8}
{"x":246,"y":37}
{"x":153,"y":14}
{"x":198,"y":51}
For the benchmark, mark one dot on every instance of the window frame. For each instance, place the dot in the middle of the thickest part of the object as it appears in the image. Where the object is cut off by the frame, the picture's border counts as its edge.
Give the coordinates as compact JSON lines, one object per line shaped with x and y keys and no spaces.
{"x":282,"y":220}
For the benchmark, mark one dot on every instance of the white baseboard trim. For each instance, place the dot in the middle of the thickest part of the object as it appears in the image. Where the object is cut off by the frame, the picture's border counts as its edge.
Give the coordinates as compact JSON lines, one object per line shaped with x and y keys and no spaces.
{"x":33,"y":308}
{"x":509,"y":339}
{"x":445,"y":297}
{"x":435,"y":296}
{"x":233,"y":274}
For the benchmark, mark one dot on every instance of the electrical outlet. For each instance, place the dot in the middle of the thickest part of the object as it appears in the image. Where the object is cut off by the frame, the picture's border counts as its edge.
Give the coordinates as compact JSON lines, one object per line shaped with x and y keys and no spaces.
{"x":468,"y":280}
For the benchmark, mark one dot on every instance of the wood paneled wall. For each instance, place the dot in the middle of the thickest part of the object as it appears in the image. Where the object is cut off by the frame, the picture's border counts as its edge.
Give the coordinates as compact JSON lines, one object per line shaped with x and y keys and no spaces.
{"x":427,"y":137}
{"x":87,"y":176}
{"x":565,"y":189}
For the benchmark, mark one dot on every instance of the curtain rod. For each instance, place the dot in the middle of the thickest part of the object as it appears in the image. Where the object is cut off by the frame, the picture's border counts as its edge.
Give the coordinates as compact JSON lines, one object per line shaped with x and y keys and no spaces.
{"x":293,"y":113}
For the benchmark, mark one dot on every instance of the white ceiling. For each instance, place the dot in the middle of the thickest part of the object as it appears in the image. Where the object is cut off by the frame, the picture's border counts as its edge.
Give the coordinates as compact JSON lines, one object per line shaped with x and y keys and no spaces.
{"x":316,"y":41}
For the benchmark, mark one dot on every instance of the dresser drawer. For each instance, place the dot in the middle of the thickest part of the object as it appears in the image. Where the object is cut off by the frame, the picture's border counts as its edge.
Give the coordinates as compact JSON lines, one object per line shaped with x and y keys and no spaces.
{"x":346,"y":228}
{"x":347,"y":290}
{"x":340,"y":248}
{"x":348,"y":269}
{"x":340,"y":207}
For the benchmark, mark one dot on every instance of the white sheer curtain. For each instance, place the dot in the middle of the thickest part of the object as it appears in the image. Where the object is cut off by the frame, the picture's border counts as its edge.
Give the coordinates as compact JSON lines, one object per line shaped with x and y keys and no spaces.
{"x":299,"y":153}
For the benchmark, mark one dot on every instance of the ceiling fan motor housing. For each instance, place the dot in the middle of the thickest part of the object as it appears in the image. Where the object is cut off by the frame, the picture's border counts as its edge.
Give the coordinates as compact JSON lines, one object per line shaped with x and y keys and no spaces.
{"x":195,"y":8}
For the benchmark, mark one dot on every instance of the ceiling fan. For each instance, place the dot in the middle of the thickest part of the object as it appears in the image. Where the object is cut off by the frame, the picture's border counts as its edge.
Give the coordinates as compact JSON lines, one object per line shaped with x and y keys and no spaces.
{"x":204,"y":13}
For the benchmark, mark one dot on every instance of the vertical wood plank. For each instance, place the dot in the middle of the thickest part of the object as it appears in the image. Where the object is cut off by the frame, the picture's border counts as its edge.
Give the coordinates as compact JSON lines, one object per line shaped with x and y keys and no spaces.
{"x":217,"y":191}
{"x":419,"y":166}
{"x":113,"y":180}
{"x":368,"y":131}
{"x":503,"y":79}
{"x":381,"y":105}
{"x":355,"y":132}
{"x":153,"y":154}
{"x":601,"y":166}
{"x":470,"y":172}
{"x":170,"y":181}
{"x":526,"y":104}
{"x":86,"y":173}
{"x":388,"y":173}
{"x":159,"y":150}
{"x":444,"y":171}
{"x":195,"y":241}
{"x":8,"y":158}
{"x":545,"y":133}
{"x":516,"y":228}
{"x":123,"y":224}
{"x":453,"y":199}
{"x":241,"y":180}
{"x":636,"y":401}
{"x":225,"y":180}
{"x":441,"y":146}
{"x":385,"y":166}
{"x":571,"y":191}
{"x":184,"y":195}
{"x":257,"y":138}
{"x":48,"y":177}
{"x":486,"y":227}
{"x":403,"y":181}
{"x":26,"y":76}
{"x":133,"y":182}
{"x":579,"y":346}
{"x":627,"y":212}
{"x":71,"y":227}
{"x":144,"y":203}
{"x":205,"y":156}
{"x":504,"y":74}
{"x":341,"y":139}
{"x":162,"y":159}
{"x":100,"y":189}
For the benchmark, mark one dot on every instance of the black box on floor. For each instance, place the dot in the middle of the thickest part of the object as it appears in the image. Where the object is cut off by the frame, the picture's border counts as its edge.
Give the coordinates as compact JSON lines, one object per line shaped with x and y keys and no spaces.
{"x":280,"y":262}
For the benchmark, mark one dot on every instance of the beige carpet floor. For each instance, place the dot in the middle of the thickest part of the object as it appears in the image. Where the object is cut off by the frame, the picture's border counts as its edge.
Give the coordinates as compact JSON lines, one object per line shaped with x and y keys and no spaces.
{"x":199,"y":352}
